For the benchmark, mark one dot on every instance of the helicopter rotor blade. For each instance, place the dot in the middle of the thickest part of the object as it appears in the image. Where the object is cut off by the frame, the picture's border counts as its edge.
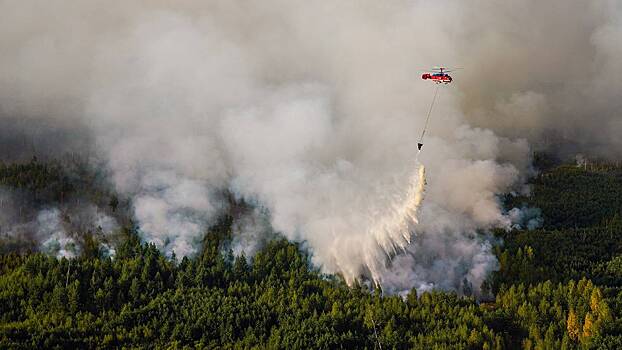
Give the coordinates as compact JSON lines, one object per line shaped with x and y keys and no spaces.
{"x":445,"y":69}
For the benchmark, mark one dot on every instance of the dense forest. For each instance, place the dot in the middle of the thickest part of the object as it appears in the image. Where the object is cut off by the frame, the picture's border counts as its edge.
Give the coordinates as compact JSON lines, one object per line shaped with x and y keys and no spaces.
{"x":558,"y":286}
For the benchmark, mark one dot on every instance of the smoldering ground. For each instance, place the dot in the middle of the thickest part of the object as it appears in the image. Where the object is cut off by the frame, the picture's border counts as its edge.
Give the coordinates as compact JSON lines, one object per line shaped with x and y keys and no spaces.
{"x":312,"y":110}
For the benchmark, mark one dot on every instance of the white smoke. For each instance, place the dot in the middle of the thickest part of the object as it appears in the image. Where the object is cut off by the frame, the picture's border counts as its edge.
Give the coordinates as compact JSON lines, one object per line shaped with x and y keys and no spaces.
{"x":172,"y":212}
{"x":55,"y":230}
{"x":251,"y":231}
{"x":56,"y":240}
{"x":313,"y":109}
{"x":444,"y":261}
{"x":59,"y":233}
{"x":525,"y":217}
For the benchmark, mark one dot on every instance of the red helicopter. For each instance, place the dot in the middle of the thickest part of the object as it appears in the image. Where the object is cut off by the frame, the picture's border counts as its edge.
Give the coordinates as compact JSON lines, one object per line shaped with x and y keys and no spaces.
{"x":439,"y":75}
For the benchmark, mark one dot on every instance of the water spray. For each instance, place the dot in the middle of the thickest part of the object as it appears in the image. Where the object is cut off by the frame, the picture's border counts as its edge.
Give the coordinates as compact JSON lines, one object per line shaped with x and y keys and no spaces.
{"x":394,"y":231}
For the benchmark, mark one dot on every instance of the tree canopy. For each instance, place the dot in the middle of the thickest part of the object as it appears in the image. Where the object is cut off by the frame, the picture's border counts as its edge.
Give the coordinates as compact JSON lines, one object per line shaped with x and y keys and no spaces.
{"x":558,"y":287}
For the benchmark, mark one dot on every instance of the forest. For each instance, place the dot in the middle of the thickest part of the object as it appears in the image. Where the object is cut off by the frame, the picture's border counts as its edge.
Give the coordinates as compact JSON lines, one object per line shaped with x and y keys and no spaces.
{"x":558,"y":286}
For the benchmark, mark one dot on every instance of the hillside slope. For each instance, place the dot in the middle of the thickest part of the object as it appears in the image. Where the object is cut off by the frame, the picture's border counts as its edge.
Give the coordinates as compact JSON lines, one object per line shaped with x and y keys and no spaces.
{"x":557,"y":287}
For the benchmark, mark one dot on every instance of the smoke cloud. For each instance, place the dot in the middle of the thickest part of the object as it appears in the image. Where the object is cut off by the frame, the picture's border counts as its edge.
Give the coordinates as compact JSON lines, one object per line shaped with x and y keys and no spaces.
{"x":55,"y":229}
{"x":312,"y":110}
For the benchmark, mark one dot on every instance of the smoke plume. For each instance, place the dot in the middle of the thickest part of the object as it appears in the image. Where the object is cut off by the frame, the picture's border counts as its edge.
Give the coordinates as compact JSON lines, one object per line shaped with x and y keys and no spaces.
{"x":312,"y":111}
{"x":55,"y":229}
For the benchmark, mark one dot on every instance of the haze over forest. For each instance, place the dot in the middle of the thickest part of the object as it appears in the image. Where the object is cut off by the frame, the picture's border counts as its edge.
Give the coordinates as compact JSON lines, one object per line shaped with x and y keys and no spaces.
{"x":197,"y":135}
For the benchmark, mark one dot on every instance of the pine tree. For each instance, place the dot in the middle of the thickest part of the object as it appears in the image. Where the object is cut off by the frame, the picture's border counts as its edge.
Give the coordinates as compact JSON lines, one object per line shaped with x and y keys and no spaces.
{"x":73,"y":296}
{"x":573,"y":326}
{"x":588,"y":326}
{"x":595,"y":299}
